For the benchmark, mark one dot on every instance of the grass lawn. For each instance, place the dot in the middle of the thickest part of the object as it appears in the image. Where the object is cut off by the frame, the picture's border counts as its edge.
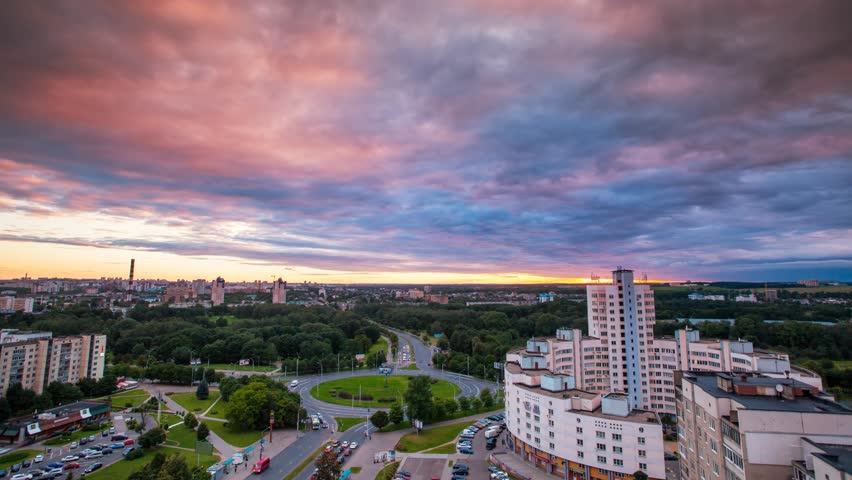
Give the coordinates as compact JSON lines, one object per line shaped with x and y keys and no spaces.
{"x":430,"y":437}
{"x":242,"y":368}
{"x":17,"y":456}
{"x":133,"y":397}
{"x":412,"y":366}
{"x":388,"y":472}
{"x":373,"y":390}
{"x":345,"y":423}
{"x":447,"y":449}
{"x":218,"y":411}
{"x":235,"y":438}
{"x":168,"y":419}
{"x":188,"y":401}
{"x":181,"y":436}
{"x":123,"y":468}
{"x":381,"y":344}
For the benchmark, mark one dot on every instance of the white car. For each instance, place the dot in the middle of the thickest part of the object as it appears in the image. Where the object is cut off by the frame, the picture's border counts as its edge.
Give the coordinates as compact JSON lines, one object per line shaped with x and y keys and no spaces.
{"x":95,"y":454}
{"x":22,"y":476}
{"x":353,"y":445}
{"x":74,"y":445}
{"x":344,"y":444}
{"x":38,"y":459}
{"x":71,"y":458}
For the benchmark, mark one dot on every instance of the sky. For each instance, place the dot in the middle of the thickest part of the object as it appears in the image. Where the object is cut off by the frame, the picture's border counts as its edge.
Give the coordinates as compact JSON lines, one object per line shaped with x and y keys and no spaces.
{"x":449,"y":141}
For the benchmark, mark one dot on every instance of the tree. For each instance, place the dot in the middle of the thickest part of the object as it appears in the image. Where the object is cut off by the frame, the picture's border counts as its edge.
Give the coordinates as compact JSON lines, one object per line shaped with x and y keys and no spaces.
{"x":5,"y":410}
{"x":380,"y":419}
{"x":152,"y":438}
{"x":20,"y":399}
{"x":203,"y":431}
{"x":640,"y":475}
{"x":190,"y":421}
{"x":419,"y":397}
{"x":42,"y":402}
{"x":227,"y":386}
{"x":203,"y":391}
{"x":327,"y":466}
{"x":486,"y":397}
{"x":476,"y":403}
{"x":396,"y":415}
{"x":464,"y":403}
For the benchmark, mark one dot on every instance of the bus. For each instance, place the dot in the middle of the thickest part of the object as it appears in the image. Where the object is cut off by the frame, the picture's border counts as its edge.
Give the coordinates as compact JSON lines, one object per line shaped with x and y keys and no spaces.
{"x":315,"y":423}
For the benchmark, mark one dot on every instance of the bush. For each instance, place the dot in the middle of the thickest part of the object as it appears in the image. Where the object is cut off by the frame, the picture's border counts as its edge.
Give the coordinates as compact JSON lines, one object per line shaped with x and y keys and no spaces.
{"x":380,"y":419}
{"x":134,"y":454}
{"x":190,"y":421}
{"x":203,"y":431}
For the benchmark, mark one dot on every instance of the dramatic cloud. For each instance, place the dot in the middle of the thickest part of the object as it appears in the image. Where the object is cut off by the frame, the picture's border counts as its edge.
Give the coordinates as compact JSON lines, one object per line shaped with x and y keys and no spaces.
{"x":491,"y":138}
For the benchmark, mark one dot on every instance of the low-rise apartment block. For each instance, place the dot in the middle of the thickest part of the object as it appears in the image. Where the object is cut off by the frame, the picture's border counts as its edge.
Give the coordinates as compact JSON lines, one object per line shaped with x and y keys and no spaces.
{"x":575,"y":434}
{"x":36,"y":359}
{"x":17,"y":304}
{"x":748,"y":426}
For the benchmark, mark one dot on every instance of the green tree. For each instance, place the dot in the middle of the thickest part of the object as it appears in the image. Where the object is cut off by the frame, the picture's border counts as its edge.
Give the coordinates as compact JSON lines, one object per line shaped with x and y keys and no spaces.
{"x":20,"y":399}
{"x":42,"y":402}
{"x":152,"y":438}
{"x":327,"y":466}
{"x":486,"y":397}
{"x":396,"y":415}
{"x":380,"y":419}
{"x":203,"y":431}
{"x":5,"y":410}
{"x":464,"y":403}
{"x":640,"y":475}
{"x":190,"y":421}
{"x":203,"y":391}
{"x":419,"y":397}
{"x":476,"y":403}
{"x":227,"y":386}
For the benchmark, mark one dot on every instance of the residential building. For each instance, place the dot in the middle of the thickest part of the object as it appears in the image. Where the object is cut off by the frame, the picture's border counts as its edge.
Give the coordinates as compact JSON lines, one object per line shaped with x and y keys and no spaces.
{"x":771,"y":295}
{"x":436,"y":298}
{"x":199,"y":287}
{"x":587,"y":359}
{"x":622,"y":317}
{"x":750,"y":298}
{"x":218,"y":292}
{"x":747,"y":426}
{"x":415,"y":294}
{"x":823,"y":461}
{"x":546,"y":297}
{"x":279,"y":291}
{"x":573,"y":433}
{"x":698,"y":296}
{"x":36,"y":359}
{"x":809,"y":283}
{"x":16,"y":304}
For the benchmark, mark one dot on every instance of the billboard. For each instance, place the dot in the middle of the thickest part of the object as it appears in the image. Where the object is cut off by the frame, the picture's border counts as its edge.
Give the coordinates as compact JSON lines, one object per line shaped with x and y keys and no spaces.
{"x":360,"y":357}
{"x":33,"y":428}
{"x":244,"y":362}
{"x":85,"y":413}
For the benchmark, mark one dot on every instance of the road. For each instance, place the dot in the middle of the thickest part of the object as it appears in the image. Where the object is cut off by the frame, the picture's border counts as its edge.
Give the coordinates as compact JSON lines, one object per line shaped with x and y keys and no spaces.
{"x":289,"y":458}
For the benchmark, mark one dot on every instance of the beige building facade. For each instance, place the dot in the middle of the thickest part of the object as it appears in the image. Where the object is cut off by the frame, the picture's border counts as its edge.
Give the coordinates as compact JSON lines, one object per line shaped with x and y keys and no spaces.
{"x":36,"y":361}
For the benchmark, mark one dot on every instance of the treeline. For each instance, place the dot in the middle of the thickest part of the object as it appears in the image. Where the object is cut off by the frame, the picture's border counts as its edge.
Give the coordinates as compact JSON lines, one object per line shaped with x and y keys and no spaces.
{"x":476,"y":337}
{"x":675,"y":303}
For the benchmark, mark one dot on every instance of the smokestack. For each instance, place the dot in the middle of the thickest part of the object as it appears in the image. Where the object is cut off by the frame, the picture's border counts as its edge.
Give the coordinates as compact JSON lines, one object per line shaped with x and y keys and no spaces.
{"x":132,"y":264}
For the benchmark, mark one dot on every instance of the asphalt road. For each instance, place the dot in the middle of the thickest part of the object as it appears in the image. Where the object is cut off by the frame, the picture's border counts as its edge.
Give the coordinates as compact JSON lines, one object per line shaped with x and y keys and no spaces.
{"x":288,"y":459}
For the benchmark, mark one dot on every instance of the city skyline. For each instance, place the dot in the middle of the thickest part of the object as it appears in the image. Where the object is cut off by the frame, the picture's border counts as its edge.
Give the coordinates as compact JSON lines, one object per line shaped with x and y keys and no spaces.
{"x":485,"y":142}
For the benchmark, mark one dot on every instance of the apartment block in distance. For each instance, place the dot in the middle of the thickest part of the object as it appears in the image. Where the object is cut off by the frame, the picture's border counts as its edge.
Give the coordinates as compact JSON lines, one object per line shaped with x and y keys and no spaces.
{"x":217,"y":294}
{"x":36,"y":359}
{"x":279,"y":291}
{"x":16,"y":304}
{"x":575,"y":434}
{"x":748,"y":426}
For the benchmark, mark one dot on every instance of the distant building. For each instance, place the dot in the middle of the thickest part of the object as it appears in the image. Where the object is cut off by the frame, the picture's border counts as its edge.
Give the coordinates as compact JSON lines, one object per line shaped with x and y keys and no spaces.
{"x":178,"y":293}
{"x":546,"y":297}
{"x":771,"y":295}
{"x":750,"y":298}
{"x":279,"y":291}
{"x":36,"y":359}
{"x":199,"y":287}
{"x":435,"y":298}
{"x":218,"y":292}
{"x":747,"y":426}
{"x":415,"y":294}
{"x":17,"y":304}
{"x":427,"y":289}
{"x":698,"y":296}
{"x":809,"y":283}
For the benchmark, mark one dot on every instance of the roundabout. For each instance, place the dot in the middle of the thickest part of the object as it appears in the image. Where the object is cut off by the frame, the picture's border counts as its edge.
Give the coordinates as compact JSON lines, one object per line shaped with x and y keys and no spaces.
{"x":370,"y":391}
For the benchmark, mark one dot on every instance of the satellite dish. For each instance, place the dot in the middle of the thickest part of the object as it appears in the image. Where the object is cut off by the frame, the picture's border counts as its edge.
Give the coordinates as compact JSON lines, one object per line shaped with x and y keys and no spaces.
{"x":779,"y":388}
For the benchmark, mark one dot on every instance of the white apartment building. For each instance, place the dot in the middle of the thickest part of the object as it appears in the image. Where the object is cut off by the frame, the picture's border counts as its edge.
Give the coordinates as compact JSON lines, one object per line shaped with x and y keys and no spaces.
{"x":747,"y":426}
{"x":15,"y":304}
{"x":35,"y":359}
{"x":576,"y":434}
{"x":217,"y":294}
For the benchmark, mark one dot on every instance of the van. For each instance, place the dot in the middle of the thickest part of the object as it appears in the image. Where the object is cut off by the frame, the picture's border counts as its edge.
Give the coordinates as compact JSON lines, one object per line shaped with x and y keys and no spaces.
{"x":294,"y":384}
{"x":260,"y":466}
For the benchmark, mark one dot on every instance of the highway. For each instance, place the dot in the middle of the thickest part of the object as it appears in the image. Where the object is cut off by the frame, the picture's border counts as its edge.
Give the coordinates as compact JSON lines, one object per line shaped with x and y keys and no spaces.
{"x":288,"y":459}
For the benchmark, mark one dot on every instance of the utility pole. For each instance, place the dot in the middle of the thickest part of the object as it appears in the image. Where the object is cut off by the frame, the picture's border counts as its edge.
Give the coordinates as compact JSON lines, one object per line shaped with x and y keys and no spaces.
{"x":338,"y":362}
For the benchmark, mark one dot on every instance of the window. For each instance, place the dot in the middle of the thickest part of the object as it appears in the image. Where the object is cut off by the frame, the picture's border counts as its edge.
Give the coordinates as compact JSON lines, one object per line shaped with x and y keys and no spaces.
{"x":617,"y":462}
{"x":552,"y":446}
{"x":640,"y":440}
{"x":642,"y":453}
{"x":601,"y":435}
{"x":579,"y":454}
{"x":617,"y":449}
{"x":601,"y":446}
{"x":734,"y":457}
{"x":616,"y":437}
{"x":601,"y":459}
{"x":580,"y":442}
{"x":731,"y":433}
{"x":643,"y":466}
{"x":714,"y":446}
{"x":579,"y":429}
{"x":715,"y":469}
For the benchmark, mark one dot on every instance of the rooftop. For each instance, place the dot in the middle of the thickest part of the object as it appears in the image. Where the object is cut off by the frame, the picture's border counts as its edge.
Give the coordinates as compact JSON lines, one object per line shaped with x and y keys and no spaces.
{"x":839,"y":456}
{"x":707,"y":381}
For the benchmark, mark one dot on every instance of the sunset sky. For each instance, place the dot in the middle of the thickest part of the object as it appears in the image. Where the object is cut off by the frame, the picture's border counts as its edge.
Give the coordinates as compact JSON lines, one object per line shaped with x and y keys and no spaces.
{"x":426,"y":142}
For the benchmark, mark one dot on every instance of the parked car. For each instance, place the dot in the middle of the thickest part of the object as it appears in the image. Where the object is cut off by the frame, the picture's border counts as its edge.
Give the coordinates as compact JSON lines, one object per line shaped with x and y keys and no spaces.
{"x":91,"y":438}
{"x":466,"y":451}
{"x":107,"y":451}
{"x":16,"y":467}
{"x":38,"y":459}
{"x":71,"y":466}
{"x":3,"y":472}
{"x":129,"y":441}
{"x":117,"y":446}
{"x":95,"y":455}
{"x":74,"y":445}
{"x":91,"y":468}
{"x":127,"y":450}
{"x":119,"y":437}
{"x":84,"y":441}
{"x":71,"y":458}
{"x":353,"y":445}
{"x":105,"y":433}
{"x":22,"y":476}
{"x":55,"y":465}
{"x":111,"y":429}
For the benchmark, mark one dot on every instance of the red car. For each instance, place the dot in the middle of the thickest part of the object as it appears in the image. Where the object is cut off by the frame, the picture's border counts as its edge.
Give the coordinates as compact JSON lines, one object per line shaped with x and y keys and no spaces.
{"x":70,"y":466}
{"x":128,"y":442}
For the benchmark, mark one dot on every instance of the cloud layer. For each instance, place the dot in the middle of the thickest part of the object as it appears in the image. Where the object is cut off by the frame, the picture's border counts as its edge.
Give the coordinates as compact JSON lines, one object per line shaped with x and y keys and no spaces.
{"x":686,"y":139}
